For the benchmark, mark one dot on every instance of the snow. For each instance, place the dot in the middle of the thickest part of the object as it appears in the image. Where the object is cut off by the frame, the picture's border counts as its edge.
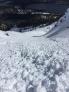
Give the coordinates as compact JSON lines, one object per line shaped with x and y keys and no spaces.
{"x":61,"y":28}
{"x":30,"y":62}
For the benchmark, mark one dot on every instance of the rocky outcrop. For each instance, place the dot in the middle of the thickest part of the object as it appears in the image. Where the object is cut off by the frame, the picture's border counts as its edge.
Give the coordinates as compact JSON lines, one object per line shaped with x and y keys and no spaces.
{"x":14,"y":16}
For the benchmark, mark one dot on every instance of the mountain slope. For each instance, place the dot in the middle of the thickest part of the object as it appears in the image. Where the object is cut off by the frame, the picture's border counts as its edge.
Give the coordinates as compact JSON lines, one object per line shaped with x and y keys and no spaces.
{"x":33,"y":64}
{"x":61,"y":26}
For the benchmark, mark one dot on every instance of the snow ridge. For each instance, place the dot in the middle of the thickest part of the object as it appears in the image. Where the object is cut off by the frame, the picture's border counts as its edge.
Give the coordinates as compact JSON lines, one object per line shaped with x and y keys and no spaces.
{"x":61,"y":24}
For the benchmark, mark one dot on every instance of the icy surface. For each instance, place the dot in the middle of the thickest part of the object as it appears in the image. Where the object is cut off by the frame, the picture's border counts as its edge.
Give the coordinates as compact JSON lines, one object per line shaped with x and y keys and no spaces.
{"x":29,"y":63}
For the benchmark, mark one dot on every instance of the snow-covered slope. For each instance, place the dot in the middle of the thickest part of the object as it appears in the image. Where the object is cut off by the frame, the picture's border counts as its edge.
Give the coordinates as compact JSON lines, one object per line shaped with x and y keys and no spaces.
{"x":29,"y":63}
{"x":61,"y":25}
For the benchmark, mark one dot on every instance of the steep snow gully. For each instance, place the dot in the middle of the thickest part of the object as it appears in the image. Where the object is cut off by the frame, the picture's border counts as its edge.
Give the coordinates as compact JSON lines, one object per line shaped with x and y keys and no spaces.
{"x":35,"y":64}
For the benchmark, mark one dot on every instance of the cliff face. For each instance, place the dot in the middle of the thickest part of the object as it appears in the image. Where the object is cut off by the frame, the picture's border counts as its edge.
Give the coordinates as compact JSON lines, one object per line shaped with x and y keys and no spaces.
{"x":23,"y":2}
{"x":40,"y":1}
{"x":62,"y":1}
